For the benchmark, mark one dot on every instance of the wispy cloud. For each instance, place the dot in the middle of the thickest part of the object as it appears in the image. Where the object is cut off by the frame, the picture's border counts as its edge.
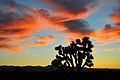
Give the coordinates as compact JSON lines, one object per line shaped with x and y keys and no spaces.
{"x":112,"y":49}
{"x":42,"y":41}
{"x":10,"y":48}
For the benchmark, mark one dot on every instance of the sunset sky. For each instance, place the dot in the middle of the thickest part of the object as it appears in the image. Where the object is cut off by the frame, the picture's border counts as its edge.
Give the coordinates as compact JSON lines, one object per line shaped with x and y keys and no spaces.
{"x":30,"y":29}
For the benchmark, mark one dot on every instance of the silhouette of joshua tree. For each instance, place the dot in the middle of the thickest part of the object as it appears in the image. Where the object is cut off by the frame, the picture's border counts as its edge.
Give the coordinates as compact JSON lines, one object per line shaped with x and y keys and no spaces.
{"x":75,"y":56}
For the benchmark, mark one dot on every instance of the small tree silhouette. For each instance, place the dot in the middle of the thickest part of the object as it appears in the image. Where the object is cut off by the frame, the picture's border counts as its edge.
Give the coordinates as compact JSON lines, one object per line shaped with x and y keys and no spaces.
{"x":75,"y":56}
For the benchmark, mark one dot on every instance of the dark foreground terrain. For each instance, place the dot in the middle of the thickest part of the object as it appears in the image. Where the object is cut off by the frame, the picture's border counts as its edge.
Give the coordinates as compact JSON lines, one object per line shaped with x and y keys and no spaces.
{"x":59,"y":76}
{"x":47,"y":74}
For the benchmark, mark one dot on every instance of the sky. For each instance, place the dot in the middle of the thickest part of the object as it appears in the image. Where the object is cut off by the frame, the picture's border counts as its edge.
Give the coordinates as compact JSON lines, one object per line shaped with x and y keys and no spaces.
{"x":30,"y":29}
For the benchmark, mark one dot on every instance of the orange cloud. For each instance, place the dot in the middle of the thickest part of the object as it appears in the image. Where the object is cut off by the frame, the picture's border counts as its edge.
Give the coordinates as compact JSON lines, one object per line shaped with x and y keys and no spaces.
{"x":112,"y":49}
{"x":69,"y":40}
{"x":11,"y":49}
{"x":14,"y":40}
{"x":66,"y":16}
{"x":69,"y":9}
{"x":109,"y":34}
{"x":103,"y":36}
{"x":76,"y":35}
{"x":20,"y":28}
{"x":115,"y":17}
{"x":42,"y":41}
{"x":9,"y":44}
{"x":38,"y":44}
{"x":109,"y":49}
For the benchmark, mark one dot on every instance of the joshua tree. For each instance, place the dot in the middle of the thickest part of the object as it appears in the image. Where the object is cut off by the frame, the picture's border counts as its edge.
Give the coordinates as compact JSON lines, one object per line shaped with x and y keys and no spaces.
{"x":75,"y":56}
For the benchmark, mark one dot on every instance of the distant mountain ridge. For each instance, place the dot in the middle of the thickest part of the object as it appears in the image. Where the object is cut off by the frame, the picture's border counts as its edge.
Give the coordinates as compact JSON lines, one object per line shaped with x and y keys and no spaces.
{"x":27,"y":68}
{"x":48,"y":68}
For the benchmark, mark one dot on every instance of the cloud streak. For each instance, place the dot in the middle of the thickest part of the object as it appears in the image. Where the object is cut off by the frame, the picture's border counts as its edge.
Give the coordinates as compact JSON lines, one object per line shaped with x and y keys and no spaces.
{"x":42,"y":41}
{"x":10,"y":48}
{"x":112,"y":49}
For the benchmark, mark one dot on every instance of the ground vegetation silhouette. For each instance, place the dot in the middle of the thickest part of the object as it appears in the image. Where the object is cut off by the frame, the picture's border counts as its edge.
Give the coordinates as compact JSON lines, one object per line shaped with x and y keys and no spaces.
{"x":74,"y":56}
